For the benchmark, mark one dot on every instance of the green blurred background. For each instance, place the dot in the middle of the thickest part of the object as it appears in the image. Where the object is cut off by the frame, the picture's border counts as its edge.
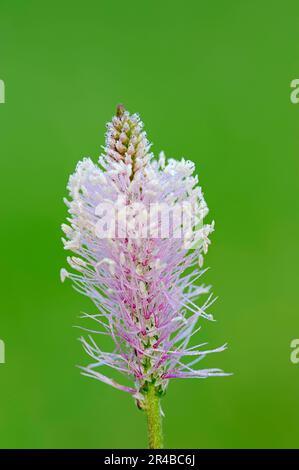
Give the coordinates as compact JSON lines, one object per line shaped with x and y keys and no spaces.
{"x":211,"y":81}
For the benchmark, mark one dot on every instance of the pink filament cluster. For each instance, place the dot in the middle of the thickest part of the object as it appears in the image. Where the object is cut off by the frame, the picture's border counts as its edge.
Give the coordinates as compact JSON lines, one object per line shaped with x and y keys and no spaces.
{"x":144,"y":288}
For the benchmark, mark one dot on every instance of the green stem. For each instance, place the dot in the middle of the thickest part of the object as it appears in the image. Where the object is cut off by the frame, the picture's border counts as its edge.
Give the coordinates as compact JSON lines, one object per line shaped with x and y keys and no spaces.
{"x":154,"y":419}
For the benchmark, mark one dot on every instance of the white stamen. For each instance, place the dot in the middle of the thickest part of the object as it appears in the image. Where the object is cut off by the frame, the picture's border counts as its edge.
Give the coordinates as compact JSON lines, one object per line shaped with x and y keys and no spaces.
{"x":63,"y":274}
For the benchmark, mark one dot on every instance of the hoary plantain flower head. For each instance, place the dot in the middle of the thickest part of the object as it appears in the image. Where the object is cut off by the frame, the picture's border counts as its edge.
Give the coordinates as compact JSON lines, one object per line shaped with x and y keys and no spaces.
{"x":136,"y":229}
